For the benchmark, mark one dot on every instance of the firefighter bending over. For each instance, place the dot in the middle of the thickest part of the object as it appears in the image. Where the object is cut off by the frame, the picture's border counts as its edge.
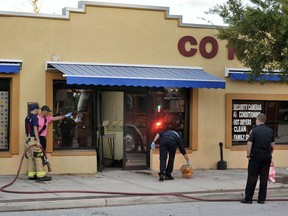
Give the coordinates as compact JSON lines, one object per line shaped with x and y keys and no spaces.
{"x":169,"y":140}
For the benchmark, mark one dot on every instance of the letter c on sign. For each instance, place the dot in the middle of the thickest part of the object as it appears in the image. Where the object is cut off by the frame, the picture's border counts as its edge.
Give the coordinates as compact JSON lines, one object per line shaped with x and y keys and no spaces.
{"x":181,"y":46}
{"x":214,"y":45}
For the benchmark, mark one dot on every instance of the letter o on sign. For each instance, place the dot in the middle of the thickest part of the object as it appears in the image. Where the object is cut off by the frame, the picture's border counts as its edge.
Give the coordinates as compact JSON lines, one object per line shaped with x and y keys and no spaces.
{"x":214,"y":47}
{"x":181,"y":46}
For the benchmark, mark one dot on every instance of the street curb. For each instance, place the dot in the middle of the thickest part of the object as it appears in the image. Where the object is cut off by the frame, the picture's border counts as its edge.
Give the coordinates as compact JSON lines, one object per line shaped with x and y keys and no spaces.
{"x":49,"y":205}
{"x":86,"y":203}
{"x":109,"y":201}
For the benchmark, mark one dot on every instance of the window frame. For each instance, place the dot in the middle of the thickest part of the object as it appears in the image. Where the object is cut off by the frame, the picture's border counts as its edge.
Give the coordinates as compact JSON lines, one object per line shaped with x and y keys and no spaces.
{"x":61,"y":148}
{"x":49,"y":80}
{"x":14,"y":120}
{"x":253,"y":97}
{"x":9,"y":113}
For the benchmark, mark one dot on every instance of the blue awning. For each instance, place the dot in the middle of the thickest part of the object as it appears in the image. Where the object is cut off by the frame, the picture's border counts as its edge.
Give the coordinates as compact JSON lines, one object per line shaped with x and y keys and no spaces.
{"x":7,"y":66}
{"x":136,"y":75}
{"x":244,"y":76}
{"x":238,"y":74}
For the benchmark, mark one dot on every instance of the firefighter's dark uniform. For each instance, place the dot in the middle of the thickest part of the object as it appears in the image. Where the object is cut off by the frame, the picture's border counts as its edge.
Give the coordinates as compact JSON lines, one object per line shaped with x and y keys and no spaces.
{"x":259,"y":163}
{"x":34,"y":154}
{"x":169,"y":140}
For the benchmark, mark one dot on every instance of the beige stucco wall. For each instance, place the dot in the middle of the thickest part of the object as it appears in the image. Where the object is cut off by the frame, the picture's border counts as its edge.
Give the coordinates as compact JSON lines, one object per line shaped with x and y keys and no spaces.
{"x":127,"y":36}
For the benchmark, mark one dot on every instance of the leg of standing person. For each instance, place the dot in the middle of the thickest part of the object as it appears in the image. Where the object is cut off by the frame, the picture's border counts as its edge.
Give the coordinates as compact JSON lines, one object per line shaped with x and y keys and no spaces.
{"x":31,"y":164}
{"x":43,"y":142}
{"x":40,"y":169}
{"x":264,"y":175}
{"x":253,"y":173}
{"x":163,"y":159}
{"x":170,"y":165}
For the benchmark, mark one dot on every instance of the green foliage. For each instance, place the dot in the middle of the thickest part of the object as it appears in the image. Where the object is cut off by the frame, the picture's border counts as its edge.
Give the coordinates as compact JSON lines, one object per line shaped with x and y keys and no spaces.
{"x":259,"y":33}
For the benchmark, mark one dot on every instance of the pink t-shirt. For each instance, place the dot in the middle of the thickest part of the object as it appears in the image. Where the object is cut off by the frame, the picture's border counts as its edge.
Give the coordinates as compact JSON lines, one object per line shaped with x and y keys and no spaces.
{"x":41,"y":123}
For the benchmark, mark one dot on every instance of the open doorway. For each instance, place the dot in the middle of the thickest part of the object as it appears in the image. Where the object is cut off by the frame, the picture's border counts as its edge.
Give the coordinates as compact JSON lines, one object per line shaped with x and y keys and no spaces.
{"x":131,"y":118}
{"x":124,"y":119}
{"x":112,"y":123}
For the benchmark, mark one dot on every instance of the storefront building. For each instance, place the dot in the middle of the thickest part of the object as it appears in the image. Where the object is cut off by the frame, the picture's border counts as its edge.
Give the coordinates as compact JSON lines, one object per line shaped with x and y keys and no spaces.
{"x":126,"y":72}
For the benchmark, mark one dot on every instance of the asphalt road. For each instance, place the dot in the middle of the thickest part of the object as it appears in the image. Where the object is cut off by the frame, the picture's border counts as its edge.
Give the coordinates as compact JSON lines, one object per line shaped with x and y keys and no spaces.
{"x":181,"y":209}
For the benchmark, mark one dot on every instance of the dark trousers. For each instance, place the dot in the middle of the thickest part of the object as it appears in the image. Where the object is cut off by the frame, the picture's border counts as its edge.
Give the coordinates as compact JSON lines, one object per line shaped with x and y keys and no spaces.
{"x":43,"y":142}
{"x":258,"y":165}
{"x":167,"y":146}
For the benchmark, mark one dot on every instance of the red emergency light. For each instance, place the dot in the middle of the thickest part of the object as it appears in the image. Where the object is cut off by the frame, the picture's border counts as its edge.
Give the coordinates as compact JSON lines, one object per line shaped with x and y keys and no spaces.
{"x":158,"y":124}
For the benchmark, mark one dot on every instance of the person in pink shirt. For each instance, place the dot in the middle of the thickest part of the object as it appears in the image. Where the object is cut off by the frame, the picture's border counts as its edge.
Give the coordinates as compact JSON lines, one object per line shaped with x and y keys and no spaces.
{"x":43,"y":120}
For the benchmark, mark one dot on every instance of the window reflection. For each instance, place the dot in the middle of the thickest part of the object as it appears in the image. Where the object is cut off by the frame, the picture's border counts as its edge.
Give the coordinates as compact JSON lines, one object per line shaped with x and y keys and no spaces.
{"x":169,"y":108}
{"x":282,"y":129}
{"x":165,"y":108}
{"x":74,"y":132}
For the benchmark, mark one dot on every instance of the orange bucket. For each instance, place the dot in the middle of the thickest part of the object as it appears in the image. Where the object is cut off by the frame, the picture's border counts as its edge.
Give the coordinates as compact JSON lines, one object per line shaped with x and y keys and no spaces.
{"x":186,"y":171}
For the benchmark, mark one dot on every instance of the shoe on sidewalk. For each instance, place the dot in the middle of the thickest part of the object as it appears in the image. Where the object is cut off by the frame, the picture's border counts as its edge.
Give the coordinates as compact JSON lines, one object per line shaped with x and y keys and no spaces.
{"x":261,"y":202}
{"x":169,"y":177}
{"x":45,"y":178}
{"x":246,"y":201}
{"x":161,"y":176}
{"x":32,"y":178}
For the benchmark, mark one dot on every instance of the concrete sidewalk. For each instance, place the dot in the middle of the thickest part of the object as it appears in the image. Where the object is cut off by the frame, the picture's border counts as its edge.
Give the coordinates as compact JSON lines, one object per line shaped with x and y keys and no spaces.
{"x":205,"y":184}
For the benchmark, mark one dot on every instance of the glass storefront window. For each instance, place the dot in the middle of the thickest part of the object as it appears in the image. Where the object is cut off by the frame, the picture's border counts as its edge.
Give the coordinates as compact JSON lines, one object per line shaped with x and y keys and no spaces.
{"x":4,"y":114}
{"x":170,"y":109}
{"x":147,"y":112}
{"x":75,"y":132}
{"x":244,"y":113}
{"x":157,"y":111}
